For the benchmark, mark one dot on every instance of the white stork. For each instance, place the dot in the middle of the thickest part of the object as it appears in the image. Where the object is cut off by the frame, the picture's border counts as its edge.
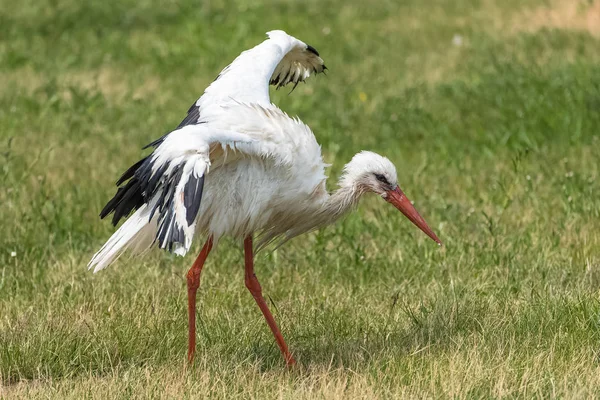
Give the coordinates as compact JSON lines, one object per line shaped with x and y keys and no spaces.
{"x":239,"y":166}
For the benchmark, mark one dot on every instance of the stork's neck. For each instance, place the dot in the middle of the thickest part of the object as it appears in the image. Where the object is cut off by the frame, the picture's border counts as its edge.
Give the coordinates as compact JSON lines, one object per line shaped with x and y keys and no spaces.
{"x":343,"y":200}
{"x":335,"y":205}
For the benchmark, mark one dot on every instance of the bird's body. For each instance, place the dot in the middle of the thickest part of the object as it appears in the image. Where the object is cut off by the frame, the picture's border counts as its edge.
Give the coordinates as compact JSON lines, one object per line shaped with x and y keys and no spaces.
{"x":238,"y":166}
{"x":231,"y":134}
{"x":260,"y":185}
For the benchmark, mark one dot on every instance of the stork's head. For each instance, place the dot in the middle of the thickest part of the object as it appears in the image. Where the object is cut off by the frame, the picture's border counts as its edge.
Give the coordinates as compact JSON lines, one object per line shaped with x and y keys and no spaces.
{"x":370,"y":172}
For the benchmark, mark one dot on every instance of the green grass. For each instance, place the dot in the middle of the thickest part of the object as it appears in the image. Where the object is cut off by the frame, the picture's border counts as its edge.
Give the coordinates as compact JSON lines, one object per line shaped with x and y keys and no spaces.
{"x":496,"y":139}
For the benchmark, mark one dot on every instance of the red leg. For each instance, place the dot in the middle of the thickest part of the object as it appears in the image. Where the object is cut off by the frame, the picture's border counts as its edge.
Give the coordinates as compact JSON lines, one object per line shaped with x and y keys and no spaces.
{"x":254,"y":287}
{"x":193,"y":282}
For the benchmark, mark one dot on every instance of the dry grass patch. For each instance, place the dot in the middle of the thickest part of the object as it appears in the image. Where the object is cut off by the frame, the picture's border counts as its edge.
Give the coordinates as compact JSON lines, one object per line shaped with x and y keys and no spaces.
{"x":574,"y":15}
{"x":453,"y":375}
{"x":25,"y":78}
{"x":107,"y":80}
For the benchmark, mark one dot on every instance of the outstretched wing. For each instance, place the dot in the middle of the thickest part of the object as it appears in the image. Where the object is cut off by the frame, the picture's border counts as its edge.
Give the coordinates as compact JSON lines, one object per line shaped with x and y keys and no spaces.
{"x":280,"y":60}
{"x":169,"y":183}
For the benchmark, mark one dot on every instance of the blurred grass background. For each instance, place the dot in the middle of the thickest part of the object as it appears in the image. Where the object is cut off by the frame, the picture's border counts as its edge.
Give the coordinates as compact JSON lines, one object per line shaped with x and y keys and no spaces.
{"x":491,"y":112}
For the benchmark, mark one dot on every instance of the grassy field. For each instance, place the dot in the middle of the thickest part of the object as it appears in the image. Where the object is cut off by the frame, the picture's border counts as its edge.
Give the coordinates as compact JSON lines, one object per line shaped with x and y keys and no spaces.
{"x":490,"y":110}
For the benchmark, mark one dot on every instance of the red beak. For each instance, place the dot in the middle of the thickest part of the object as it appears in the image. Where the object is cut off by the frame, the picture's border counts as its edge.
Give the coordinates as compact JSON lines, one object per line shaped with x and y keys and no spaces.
{"x":402,"y":203}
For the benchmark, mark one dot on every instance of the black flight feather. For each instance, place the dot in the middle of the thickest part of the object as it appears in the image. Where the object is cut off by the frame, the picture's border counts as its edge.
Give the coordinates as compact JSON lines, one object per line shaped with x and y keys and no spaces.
{"x":312,"y":50}
{"x":192,"y":197}
{"x":130,"y":171}
{"x":157,"y":142}
{"x":192,"y":116}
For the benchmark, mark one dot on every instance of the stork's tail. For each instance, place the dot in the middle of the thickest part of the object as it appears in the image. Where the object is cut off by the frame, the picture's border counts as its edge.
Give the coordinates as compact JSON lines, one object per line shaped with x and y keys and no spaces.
{"x":137,"y":234}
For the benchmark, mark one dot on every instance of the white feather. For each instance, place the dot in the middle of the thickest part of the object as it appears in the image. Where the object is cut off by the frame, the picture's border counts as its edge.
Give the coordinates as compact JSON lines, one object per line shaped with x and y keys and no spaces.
{"x":136,"y":233}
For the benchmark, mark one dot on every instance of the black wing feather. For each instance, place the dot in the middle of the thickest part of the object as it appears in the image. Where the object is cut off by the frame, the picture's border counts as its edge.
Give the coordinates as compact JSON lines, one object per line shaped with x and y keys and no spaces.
{"x":192,"y":197}
{"x":130,"y":171}
{"x":192,"y":116}
{"x":143,"y":182}
{"x":167,"y":230}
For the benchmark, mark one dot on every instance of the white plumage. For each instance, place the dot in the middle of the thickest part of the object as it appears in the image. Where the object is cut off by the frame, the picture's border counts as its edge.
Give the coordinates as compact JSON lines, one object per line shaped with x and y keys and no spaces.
{"x":234,"y":126}
{"x":239,"y":166}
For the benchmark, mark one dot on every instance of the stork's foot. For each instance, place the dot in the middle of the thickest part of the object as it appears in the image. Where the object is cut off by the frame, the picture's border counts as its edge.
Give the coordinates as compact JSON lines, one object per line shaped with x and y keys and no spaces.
{"x":290,"y":362}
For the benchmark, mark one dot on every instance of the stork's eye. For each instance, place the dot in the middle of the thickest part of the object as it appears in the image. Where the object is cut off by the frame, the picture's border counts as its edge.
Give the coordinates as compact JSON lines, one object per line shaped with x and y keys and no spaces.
{"x":381,"y":178}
